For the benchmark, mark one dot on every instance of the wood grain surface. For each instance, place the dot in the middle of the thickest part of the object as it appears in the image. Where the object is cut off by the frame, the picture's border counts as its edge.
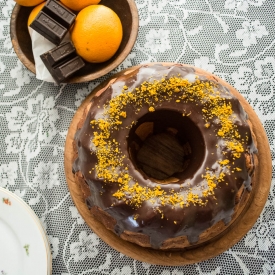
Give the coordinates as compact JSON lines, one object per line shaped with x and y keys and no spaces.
{"x":233,"y":233}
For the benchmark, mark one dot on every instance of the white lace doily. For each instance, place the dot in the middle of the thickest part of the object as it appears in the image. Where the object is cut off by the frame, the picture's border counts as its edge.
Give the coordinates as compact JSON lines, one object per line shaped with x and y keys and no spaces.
{"x":234,"y":39}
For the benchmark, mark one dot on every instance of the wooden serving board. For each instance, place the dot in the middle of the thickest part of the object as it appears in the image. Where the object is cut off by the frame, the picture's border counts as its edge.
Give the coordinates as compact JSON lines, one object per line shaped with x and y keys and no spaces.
{"x":232,"y":235}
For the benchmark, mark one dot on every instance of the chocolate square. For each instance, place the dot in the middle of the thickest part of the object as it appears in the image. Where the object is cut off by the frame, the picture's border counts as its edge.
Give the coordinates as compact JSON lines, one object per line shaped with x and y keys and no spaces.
{"x":59,"y":13}
{"x":49,"y":28}
{"x":62,"y":61}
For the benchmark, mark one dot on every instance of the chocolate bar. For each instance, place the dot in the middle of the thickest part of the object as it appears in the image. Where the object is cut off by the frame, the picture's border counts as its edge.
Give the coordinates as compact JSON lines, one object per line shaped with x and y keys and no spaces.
{"x":53,"y":21}
{"x":68,"y":68}
{"x":62,"y":61}
{"x":59,"y":53}
{"x":49,"y":28}
{"x":59,"y":13}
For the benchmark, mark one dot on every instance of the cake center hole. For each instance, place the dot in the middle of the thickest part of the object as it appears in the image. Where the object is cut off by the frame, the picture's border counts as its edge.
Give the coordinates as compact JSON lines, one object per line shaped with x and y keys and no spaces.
{"x":166,"y":146}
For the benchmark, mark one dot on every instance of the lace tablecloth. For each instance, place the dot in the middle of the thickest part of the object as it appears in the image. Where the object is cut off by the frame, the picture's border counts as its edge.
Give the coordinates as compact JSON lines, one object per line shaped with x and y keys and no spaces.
{"x":234,"y":39}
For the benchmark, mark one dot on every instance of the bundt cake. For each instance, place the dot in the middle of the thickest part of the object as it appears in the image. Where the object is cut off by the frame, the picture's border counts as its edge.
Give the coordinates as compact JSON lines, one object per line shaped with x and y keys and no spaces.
{"x":164,"y":156}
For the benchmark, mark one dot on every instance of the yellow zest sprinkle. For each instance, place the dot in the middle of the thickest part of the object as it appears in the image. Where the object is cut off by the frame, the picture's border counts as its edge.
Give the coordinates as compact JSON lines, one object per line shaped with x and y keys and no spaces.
{"x":123,"y":114}
{"x":110,"y":167}
{"x":224,"y":162}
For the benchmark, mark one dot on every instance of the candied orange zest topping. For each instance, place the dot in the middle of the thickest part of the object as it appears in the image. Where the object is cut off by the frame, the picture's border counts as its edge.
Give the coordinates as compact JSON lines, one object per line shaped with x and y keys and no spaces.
{"x":110,"y":165}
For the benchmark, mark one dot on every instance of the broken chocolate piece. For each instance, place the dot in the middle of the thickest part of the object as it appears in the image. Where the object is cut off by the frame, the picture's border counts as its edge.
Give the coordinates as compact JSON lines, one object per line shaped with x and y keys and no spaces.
{"x":62,"y":61}
{"x":53,"y":21}
{"x":68,"y":68}
{"x":49,"y":28}
{"x":59,"y":53}
{"x":59,"y":13}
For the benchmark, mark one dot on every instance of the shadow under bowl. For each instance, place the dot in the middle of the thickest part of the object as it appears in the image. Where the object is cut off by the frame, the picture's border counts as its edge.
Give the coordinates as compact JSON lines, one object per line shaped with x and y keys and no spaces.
{"x":125,"y":9}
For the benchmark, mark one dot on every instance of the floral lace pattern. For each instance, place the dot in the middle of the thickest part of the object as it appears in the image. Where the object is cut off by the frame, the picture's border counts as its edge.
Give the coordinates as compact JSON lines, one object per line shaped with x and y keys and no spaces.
{"x":234,"y":39}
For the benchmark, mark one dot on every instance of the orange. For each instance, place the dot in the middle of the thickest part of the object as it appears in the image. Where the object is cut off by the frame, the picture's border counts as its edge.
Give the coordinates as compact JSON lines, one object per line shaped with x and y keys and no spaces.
{"x":78,"y":5}
{"x":29,"y":3}
{"x":34,"y":12}
{"x":97,"y":33}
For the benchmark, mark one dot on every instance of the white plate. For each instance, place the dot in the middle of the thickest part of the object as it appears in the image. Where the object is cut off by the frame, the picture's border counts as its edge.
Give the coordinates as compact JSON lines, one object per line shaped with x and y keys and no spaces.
{"x":24,"y":247}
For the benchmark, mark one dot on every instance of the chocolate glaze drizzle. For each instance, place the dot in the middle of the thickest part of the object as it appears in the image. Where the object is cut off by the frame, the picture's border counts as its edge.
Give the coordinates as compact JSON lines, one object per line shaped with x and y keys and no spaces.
{"x":188,"y":221}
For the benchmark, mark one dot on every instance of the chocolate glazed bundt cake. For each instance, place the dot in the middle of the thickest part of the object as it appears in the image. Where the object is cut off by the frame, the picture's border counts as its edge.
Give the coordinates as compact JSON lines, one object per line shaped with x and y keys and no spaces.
{"x":165,"y":155}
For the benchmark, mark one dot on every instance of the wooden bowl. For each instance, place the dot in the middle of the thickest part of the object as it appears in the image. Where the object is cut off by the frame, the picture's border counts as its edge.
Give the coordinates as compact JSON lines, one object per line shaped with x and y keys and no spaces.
{"x":125,"y":9}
